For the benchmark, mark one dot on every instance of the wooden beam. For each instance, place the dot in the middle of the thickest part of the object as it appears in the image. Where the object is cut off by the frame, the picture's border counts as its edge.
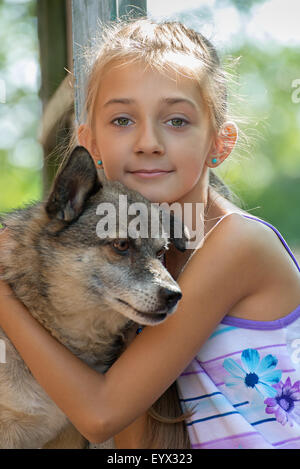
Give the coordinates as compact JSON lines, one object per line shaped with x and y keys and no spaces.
{"x":85,"y":24}
{"x":53,"y":49}
{"x":52,"y":32}
{"x":69,"y":34}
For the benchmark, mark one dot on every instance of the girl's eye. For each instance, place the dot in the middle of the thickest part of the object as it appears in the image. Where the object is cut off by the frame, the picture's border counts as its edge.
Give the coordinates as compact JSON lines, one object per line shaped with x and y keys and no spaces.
{"x":178,"y":122}
{"x":121,"y":245}
{"x":125,"y":122}
{"x":121,"y":121}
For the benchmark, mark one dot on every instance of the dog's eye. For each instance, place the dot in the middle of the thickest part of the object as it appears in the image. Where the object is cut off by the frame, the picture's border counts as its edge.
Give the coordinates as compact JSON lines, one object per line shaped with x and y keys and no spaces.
{"x":121,"y":245}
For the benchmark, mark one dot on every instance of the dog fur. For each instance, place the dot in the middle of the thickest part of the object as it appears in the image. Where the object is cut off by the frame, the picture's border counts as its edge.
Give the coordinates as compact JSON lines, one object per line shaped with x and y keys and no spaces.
{"x":86,"y":292}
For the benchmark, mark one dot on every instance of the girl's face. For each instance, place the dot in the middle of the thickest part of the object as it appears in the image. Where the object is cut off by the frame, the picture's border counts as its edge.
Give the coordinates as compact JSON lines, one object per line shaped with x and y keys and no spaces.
{"x":147,"y":121}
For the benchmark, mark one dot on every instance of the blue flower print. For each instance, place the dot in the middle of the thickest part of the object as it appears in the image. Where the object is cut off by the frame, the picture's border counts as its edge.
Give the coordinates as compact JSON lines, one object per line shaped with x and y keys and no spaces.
{"x":255,"y":374}
{"x":286,"y":404}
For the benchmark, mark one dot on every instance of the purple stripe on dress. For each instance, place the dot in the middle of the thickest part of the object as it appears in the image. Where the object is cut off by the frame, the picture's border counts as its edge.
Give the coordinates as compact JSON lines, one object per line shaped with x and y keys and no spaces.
{"x":216,"y":372}
{"x":227,"y":442}
{"x":262,"y":325}
{"x":283,"y":442}
{"x":192,"y":373}
{"x":235,"y":353}
{"x":291,"y":445}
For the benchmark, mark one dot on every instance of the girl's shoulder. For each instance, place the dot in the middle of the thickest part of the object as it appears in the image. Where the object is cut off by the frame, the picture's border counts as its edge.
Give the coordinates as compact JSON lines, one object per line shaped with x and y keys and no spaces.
{"x":241,"y":228}
{"x":252,"y":242}
{"x":267,"y":261}
{"x":248,"y":231}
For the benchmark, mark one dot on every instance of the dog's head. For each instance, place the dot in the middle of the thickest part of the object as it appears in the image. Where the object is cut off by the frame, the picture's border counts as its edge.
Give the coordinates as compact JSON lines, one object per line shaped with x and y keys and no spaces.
{"x":108,"y":244}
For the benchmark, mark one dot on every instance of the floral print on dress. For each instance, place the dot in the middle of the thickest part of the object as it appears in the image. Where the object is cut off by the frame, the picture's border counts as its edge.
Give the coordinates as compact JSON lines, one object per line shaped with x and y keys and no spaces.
{"x":286,"y":404}
{"x":255,"y":374}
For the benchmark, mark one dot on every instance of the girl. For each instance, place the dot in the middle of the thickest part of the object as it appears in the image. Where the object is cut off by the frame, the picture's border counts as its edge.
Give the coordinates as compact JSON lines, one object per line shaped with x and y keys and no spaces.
{"x":156,"y":101}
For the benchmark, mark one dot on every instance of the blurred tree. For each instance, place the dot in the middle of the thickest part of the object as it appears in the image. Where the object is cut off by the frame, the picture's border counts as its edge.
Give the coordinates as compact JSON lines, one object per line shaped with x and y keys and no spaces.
{"x":20,"y":153}
{"x":265,"y":168}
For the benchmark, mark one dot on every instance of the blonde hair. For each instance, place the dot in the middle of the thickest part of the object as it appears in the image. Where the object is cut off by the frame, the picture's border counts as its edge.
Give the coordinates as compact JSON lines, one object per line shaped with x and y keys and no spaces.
{"x":163,"y":47}
{"x":166,"y":46}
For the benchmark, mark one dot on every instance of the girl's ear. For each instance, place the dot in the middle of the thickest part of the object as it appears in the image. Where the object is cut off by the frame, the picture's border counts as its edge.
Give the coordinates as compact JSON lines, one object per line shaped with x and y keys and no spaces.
{"x":222,"y":145}
{"x":85,"y":139}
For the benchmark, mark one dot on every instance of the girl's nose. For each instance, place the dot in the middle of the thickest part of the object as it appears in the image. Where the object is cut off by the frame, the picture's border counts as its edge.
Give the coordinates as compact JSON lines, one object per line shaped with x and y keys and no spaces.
{"x":148,"y":140}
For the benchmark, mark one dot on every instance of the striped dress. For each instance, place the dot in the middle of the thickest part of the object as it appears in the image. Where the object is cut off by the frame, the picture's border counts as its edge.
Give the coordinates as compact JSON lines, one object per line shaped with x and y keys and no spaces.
{"x":244,"y":384}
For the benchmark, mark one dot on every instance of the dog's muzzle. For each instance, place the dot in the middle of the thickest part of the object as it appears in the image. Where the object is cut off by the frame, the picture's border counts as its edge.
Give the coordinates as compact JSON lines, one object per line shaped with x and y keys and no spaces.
{"x":168,"y":300}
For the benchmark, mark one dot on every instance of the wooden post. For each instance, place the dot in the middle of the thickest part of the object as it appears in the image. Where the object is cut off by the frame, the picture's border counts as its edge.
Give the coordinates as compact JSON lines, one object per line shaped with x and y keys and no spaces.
{"x":53,"y":59}
{"x":85,"y":21}
{"x":53,"y":49}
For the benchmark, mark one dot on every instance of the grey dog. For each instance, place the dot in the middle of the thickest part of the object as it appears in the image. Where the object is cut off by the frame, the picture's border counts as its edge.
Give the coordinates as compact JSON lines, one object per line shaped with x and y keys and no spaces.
{"x":89,"y":292}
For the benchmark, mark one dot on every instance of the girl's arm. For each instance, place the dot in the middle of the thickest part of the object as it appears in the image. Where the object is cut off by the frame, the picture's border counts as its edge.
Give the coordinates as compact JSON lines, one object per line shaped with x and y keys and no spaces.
{"x":101,"y":405}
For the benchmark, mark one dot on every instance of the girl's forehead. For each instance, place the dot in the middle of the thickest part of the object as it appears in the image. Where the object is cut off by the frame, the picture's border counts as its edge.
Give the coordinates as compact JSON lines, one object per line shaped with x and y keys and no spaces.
{"x":136,"y":79}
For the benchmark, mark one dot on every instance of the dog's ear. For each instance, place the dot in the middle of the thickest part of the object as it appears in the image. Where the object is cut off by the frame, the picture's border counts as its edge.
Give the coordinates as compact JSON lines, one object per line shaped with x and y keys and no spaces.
{"x":73,"y":185}
{"x":178,"y":232}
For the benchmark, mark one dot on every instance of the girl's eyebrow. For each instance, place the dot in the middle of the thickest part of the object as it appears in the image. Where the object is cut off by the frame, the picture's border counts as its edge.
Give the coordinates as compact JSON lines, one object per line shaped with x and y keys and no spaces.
{"x":169,"y":101}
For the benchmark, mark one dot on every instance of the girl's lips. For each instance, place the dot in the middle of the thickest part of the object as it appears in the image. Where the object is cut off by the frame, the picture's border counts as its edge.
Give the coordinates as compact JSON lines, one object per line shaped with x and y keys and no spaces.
{"x":150,"y":175}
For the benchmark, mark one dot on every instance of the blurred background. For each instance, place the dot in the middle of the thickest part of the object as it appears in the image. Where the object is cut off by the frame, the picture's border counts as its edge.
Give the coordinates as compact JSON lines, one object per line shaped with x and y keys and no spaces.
{"x":264,"y":35}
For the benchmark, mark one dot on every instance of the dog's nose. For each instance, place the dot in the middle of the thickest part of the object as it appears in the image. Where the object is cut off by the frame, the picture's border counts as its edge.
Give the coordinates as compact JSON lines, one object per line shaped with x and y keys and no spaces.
{"x":171,"y":297}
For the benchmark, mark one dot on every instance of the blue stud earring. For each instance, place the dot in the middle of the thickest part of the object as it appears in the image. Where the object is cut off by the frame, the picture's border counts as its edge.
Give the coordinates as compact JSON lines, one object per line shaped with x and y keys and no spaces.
{"x":99,"y":162}
{"x":214,"y":160}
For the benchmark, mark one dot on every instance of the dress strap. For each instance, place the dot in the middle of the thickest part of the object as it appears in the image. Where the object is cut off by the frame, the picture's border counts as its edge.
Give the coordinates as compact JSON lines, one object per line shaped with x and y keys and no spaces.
{"x":279,"y":236}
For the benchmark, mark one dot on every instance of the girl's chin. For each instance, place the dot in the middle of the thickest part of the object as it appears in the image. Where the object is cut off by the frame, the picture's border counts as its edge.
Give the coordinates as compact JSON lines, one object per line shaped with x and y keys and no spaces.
{"x":158,"y":198}
{"x":154,"y":193}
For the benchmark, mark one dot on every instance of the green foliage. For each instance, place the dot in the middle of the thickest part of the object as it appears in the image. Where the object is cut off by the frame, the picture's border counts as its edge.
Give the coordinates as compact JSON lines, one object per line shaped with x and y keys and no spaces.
{"x":20,"y":159}
{"x":264,"y":169}
{"x":18,"y":187}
